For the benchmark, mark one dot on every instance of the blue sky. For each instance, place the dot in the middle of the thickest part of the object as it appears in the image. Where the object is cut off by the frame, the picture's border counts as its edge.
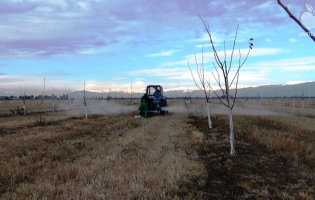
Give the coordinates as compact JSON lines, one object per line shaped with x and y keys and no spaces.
{"x":111,"y":44}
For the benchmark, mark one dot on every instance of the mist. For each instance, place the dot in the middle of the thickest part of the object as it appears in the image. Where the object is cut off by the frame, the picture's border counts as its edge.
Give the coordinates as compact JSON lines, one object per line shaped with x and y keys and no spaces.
{"x":198,"y":107}
{"x":99,"y":108}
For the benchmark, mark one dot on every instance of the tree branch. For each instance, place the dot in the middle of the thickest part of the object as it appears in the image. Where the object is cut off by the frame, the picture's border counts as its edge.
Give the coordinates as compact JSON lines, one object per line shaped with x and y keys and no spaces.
{"x":296,"y":20}
{"x":233,"y":48}
{"x":218,"y":96}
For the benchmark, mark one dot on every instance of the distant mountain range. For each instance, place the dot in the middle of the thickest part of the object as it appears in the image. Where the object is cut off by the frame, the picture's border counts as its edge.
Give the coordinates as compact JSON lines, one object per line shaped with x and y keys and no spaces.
{"x":302,"y":89}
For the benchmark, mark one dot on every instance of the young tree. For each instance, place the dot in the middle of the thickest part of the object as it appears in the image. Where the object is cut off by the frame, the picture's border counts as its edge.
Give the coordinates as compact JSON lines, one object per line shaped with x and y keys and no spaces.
{"x":224,"y":67}
{"x":53,"y":100}
{"x":296,"y":20}
{"x":84,"y":101}
{"x":23,"y":96}
{"x":302,"y":98}
{"x":204,"y":87}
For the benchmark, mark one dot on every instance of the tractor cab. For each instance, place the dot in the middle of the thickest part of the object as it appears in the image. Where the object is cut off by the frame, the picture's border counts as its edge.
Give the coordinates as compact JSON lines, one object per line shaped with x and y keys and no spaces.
{"x":154,"y":91}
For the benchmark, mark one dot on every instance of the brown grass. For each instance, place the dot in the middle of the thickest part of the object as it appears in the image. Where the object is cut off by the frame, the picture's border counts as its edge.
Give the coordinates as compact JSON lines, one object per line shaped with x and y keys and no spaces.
{"x":275,"y":159}
{"x":163,"y":157}
{"x":103,"y":157}
{"x":282,"y":134}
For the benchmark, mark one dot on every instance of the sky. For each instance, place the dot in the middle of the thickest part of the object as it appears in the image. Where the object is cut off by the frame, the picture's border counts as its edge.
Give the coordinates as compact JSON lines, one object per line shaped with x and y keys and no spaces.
{"x":112,"y":45}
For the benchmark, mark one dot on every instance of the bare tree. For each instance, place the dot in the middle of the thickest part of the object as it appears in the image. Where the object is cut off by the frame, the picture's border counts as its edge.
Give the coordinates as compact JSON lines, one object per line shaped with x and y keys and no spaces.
{"x":296,"y":20}
{"x":84,"y":101}
{"x":23,"y":96}
{"x":53,"y":100}
{"x":225,"y":68}
{"x":204,"y":86}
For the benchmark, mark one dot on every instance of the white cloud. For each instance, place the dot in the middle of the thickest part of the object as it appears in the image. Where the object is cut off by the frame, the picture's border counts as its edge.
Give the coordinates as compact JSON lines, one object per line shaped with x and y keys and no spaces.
{"x":216,"y":38}
{"x":83,"y":5}
{"x":215,"y":3}
{"x":265,"y":6}
{"x":163,"y":53}
{"x":205,"y":45}
{"x":208,"y":56}
{"x":170,"y":64}
{"x":118,"y":79}
{"x":231,"y":6}
{"x":296,"y":82}
{"x":34,"y":84}
{"x":300,"y":61}
{"x":113,"y":86}
{"x":299,"y":68}
{"x":58,"y":2}
{"x":44,"y":9}
{"x":87,"y":52}
{"x":293,"y":40}
{"x":158,"y":72}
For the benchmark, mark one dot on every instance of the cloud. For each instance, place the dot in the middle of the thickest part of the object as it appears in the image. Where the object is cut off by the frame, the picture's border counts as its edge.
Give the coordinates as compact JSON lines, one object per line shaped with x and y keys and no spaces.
{"x":163,"y":53}
{"x":265,"y":6}
{"x":216,"y":38}
{"x":14,"y":7}
{"x":115,"y":79}
{"x":174,"y":72}
{"x":53,"y":46}
{"x":87,"y":51}
{"x":47,"y":22}
{"x":205,"y":45}
{"x":299,"y":68}
{"x":82,"y":5}
{"x":298,"y":61}
{"x":33,"y":83}
{"x":293,"y":40}
{"x":296,"y":82}
{"x":208,"y":56}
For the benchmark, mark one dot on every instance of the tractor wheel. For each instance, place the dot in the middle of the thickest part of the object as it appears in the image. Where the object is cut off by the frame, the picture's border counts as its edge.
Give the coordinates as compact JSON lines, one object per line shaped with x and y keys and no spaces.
{"x":162,"y":112}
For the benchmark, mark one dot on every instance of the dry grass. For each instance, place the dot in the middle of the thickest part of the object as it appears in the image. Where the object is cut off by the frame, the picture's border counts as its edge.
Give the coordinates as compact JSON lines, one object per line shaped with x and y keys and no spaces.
{"x":292,"y":138}
{"x":115,"y":157}
{"x":283,"y":134}
{"x":275,"y":160}
{"x":163,"y":157}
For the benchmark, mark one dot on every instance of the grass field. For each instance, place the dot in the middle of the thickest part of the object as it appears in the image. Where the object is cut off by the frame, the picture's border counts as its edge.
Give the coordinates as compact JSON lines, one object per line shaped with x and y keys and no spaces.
{"x":112,"y":155}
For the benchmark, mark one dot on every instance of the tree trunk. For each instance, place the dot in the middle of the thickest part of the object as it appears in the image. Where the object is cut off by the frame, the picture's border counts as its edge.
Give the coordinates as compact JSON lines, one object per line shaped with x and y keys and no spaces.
{"x":293,"y":104}
{"x":209,"y":114}
{"x":24,"y":108}
{"x":53,"y":106}
{"x":232,"y":140}
{"x":85,"y":111}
